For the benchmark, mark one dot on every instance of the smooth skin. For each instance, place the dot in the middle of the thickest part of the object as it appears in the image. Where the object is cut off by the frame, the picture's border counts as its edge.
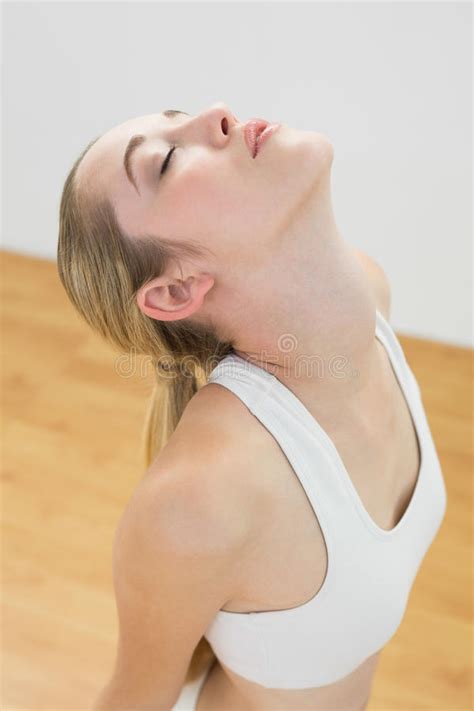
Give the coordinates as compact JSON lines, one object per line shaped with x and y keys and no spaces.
{"x":181,"y":512}
{"x":276,"y":265}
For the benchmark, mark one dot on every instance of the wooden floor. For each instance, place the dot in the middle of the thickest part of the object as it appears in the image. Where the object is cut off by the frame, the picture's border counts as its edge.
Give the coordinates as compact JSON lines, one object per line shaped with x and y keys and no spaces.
{"x":72,"y":414}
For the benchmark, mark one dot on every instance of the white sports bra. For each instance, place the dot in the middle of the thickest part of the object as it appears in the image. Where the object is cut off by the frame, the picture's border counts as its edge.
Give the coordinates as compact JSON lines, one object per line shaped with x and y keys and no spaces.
{"x":370,"y":571}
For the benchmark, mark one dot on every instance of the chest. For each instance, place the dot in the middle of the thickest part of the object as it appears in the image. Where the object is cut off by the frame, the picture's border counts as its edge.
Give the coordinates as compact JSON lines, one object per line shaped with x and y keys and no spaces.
{"x":288,"y":561}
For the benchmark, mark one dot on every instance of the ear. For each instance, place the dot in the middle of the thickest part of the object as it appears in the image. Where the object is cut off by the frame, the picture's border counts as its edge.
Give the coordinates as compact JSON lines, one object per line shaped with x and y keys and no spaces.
{"x":168,"y":299}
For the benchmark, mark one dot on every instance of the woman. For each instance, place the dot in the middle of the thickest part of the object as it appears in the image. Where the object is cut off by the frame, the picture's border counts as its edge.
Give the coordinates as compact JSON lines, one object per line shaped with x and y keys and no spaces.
{"x":292,"y":486}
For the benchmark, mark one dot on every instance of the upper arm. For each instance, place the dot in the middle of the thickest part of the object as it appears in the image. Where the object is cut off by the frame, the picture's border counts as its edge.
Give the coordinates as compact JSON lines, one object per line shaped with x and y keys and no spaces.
{"x":172,"y":569}
{"x":378,"y":281}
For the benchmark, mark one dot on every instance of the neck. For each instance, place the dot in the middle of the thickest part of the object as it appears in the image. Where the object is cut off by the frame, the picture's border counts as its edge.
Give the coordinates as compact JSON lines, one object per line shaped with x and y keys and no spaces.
{"x":307,"y":314}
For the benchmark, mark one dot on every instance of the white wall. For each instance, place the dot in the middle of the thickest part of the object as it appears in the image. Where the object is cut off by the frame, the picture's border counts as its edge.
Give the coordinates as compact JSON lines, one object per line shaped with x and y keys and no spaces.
{"x":390,"y":83}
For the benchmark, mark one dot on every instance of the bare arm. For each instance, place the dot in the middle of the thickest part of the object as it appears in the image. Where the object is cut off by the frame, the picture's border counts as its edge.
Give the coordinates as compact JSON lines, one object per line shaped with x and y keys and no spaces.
{"x":173,"y":561}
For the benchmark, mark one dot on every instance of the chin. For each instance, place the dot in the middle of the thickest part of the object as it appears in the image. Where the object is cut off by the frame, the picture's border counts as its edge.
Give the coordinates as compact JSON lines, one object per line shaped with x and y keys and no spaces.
{"x":324,"y":147}
{"x":319,"y":151}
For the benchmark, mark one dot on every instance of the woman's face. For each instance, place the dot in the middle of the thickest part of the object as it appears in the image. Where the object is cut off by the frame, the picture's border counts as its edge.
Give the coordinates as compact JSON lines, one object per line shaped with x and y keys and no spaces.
{"x":213,"y":190}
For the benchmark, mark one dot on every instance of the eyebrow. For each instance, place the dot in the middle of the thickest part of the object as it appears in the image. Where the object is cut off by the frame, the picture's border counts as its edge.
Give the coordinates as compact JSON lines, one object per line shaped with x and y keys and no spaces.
{"x":137,"y":140}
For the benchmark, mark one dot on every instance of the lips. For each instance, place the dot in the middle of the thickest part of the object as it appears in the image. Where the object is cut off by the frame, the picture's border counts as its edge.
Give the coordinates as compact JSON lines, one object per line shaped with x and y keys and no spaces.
{"x":252,"y":130}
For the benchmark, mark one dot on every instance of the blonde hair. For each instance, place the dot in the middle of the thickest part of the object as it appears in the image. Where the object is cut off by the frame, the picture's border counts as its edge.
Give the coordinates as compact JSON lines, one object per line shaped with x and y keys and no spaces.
{"x":101,"y":268}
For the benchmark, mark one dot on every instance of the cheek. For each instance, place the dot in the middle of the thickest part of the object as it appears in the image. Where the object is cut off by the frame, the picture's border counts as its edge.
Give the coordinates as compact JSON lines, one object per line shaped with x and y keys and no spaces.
{"x":204,"y":201}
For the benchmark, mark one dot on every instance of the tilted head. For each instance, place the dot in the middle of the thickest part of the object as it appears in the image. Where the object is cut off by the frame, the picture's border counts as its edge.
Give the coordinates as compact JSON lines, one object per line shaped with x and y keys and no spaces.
{"x":181,"y":178}
{"x":157,"y":208}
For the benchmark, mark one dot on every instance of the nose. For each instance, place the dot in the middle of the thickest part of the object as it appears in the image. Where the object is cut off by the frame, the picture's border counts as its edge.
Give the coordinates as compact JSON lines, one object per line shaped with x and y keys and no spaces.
{"x":217,"y":122}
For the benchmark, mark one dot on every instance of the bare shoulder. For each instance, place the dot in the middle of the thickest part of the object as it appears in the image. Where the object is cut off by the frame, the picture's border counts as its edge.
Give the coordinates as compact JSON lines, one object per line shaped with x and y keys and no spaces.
{"x":175,"y":563}
{"x":378,"y":280}
{"x":203,"y":480}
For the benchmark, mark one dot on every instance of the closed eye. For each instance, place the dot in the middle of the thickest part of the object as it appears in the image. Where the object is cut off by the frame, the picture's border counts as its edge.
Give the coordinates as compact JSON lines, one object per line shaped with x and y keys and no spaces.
{"x":167,"y":160}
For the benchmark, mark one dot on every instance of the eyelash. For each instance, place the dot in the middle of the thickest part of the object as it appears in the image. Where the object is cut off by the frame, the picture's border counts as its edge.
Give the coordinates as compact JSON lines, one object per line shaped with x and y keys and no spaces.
{"x":167,"y":160}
